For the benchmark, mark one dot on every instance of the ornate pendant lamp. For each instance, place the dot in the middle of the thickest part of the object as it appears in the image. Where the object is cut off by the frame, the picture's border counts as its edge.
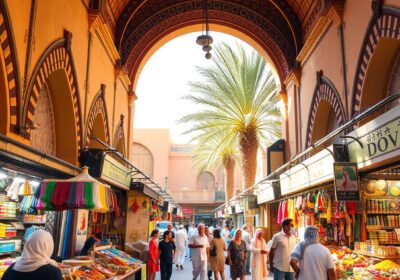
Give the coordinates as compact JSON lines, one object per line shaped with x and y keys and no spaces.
{"x":205,"y":39}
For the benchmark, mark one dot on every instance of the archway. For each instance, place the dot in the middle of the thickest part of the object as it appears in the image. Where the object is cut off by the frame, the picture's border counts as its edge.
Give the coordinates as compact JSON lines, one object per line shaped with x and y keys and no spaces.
{"x":97,"y":122}
{"x":10,"y":84}
{"x":380,"y":48}
{"x":119,"y":137}
{"x":56,"y":69}
{"x":272,"y":25}
{"x":326,"y":111}
{"x":205,"y":181}
{"x":4,"y":107}
{"x":143,"y":159}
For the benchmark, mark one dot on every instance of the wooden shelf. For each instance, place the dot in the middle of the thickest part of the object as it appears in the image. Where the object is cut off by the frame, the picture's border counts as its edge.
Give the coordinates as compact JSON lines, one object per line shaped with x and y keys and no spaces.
{"x":9,"y":218}
{"x":8,"y":253}
{"x":373,"y":228}
{"x":383,"y":213}
{"x":374,"y":256}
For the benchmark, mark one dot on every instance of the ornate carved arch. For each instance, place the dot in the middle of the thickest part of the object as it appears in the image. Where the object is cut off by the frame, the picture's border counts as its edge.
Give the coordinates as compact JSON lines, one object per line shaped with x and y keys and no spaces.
{"x":277,"y":32}
{"x":324,"y":90}
{"x":57,"y":56}
{"x":98,"y":107}
{"x":385,"y":23}
{"x":10,"y":58}
{"x":120,"y":135}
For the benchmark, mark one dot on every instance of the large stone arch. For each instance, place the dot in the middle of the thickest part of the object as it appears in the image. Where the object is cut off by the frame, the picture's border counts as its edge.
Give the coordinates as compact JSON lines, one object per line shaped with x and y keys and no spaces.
{"x":278,"y":33}
{"x":97,"y":122}
{"x":325,"y":99}
{"x":119,"y":137}
{"x":56,"y":69}
{"x":10,"y":78}
{"x":383,"y":33}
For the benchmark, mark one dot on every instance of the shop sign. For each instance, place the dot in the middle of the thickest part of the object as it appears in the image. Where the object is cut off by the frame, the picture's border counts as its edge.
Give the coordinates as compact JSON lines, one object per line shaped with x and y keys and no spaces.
{"x":187,"y":211}
{"x":204,"y":210}
{"x":380,"y":139}
{"x":346,"y":181}
{"x":228,"y":210}
{"x":143,"y":188}
{"x":265,"y":192}
{"x":315,"y":170}
{"x":115,"y":173}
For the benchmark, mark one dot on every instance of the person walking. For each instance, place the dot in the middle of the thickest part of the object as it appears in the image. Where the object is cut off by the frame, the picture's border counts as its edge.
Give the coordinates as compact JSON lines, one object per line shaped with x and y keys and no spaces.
{"x":192,"y":232}
{"x":180,"y":243}
{"x":152,"y":259}
{"x":166,"y":249}
{"x":310,"y":259}
{"x":282,"y":246}
{"x":259,"y":253}
{"x":209,"y":237}
{"x":217,"y":255}
{"x":226,"y":235}
{"x":246,"y":237}
{"x":237,"y":254}
{"x":35,"y":262}
{"x":199,"y":245}
{"x":171,"y":229}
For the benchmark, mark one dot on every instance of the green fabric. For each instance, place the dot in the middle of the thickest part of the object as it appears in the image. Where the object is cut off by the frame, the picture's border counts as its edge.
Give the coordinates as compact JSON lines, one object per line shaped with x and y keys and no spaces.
{"x":48,"y":194}
{"x":88,"y":195}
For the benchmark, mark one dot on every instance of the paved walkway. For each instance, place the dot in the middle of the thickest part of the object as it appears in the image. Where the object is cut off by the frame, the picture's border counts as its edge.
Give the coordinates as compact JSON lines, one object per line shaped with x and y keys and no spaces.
{"x":186,"y":273}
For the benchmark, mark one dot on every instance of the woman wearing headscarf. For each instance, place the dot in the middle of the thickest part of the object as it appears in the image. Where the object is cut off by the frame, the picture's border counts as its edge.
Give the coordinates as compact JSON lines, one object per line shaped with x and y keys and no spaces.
{"x":237,"y":253}
{"x":310,"y":259}
{"x":35,"y":262}
{"x":259,"y":253}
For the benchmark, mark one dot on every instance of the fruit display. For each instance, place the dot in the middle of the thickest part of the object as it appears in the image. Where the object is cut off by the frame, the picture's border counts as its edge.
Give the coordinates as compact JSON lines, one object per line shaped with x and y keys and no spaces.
{"x":350,"y":265}
{"x":88,"y":272}
{"x":382,"y":188}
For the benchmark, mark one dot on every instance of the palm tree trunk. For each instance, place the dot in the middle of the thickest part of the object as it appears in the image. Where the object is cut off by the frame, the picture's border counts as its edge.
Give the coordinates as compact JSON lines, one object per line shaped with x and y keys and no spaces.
{"x":229,"y":169}
{"x":248,"y":149}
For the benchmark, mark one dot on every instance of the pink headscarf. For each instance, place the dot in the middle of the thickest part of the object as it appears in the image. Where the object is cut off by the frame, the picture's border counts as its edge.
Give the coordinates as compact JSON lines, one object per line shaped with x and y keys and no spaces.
{"x":259,"y":244}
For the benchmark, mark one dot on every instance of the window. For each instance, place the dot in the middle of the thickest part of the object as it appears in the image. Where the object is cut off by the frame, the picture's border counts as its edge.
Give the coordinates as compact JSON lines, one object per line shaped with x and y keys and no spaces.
{"x":205,"y":181}
{"x":143,"y":159}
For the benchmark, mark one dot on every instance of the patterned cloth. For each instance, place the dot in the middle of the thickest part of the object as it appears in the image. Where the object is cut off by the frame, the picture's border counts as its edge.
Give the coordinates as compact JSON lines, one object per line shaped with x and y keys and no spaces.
{"x":238,"y":253}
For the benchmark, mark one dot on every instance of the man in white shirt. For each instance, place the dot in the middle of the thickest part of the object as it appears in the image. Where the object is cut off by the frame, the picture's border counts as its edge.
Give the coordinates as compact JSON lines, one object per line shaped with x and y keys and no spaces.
{"x":180,"y":243}
{"x":315,"y":259}
{"x":283,"y":244}
{"x":192,"y":232}
{"x":246,"y":237}
{"x":200,"y":247}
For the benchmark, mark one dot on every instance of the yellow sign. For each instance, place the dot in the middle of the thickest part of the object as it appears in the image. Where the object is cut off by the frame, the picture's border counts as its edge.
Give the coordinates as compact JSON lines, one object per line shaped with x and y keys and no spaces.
{"x":380,"y":139}
{"x":115,"y":173}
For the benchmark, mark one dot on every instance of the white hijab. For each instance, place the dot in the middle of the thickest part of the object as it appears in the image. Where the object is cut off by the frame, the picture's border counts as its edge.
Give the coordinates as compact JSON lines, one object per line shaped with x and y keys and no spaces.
{"x":37,"y":252}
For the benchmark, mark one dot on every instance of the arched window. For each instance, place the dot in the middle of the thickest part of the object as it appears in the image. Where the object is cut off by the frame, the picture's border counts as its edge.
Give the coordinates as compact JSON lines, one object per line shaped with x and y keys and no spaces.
{"x":143,"y":159}
{"x":205,"y":181}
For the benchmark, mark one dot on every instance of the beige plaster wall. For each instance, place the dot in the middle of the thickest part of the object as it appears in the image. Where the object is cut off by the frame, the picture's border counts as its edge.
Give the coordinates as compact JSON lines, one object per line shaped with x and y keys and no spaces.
{"x":326,"y":56}
{"x":356,"y":16}
{"x":158,"y":142}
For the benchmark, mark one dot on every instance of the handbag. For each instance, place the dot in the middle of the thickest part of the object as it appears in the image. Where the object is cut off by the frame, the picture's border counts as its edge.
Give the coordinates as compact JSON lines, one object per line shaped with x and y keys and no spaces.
{"x":213,"y":252}
{"x":228,"y":261}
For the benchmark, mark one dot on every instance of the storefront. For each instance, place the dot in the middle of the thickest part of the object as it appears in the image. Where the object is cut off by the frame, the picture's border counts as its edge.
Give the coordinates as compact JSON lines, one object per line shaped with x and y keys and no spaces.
{"x":265,"y":196}
{"x":376,"y":149}
{"x":115,"y":172}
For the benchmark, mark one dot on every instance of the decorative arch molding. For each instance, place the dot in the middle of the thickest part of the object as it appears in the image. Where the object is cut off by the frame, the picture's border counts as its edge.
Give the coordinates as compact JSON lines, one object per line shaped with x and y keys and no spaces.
{"x":324,"y":90}
{"x":58,"y":56}
{"x":279,"y":34}
{"x":11,"y":65}
{"x":119,"y":135}
{"x":384,"y":23}
{"x":98,"y":107}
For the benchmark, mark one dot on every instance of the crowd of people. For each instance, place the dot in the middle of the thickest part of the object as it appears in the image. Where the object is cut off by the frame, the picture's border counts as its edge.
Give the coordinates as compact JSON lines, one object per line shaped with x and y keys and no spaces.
{"x":210,"y":249}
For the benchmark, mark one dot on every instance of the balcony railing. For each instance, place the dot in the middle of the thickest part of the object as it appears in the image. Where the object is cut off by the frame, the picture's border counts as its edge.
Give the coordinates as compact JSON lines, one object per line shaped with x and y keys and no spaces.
{"x":219,"y":196}
{"x":197,"y":196}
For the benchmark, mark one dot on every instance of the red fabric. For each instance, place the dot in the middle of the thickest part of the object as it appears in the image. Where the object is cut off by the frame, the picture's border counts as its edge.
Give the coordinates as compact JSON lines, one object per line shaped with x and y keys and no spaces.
{"x":135,"y":206}
{"x":60,"y":195}
{"x":153,"y":254}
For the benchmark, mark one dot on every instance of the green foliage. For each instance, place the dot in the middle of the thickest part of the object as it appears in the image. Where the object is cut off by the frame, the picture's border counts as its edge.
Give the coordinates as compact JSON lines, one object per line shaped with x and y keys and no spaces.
{"x":237,"y":94}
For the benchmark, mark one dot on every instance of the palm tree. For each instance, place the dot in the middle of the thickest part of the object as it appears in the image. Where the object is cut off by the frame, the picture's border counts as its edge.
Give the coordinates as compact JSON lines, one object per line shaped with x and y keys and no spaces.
{"x":237,"y":96}
{"x":219,"y":151}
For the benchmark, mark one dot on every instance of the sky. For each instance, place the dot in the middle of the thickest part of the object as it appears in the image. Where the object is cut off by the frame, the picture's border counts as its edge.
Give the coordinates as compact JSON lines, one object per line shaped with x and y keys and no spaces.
{"x":163,"y":83}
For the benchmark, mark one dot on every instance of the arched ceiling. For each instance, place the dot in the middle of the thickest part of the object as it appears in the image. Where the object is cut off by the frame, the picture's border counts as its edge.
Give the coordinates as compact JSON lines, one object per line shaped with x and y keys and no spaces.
{"x":274,"y":24}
